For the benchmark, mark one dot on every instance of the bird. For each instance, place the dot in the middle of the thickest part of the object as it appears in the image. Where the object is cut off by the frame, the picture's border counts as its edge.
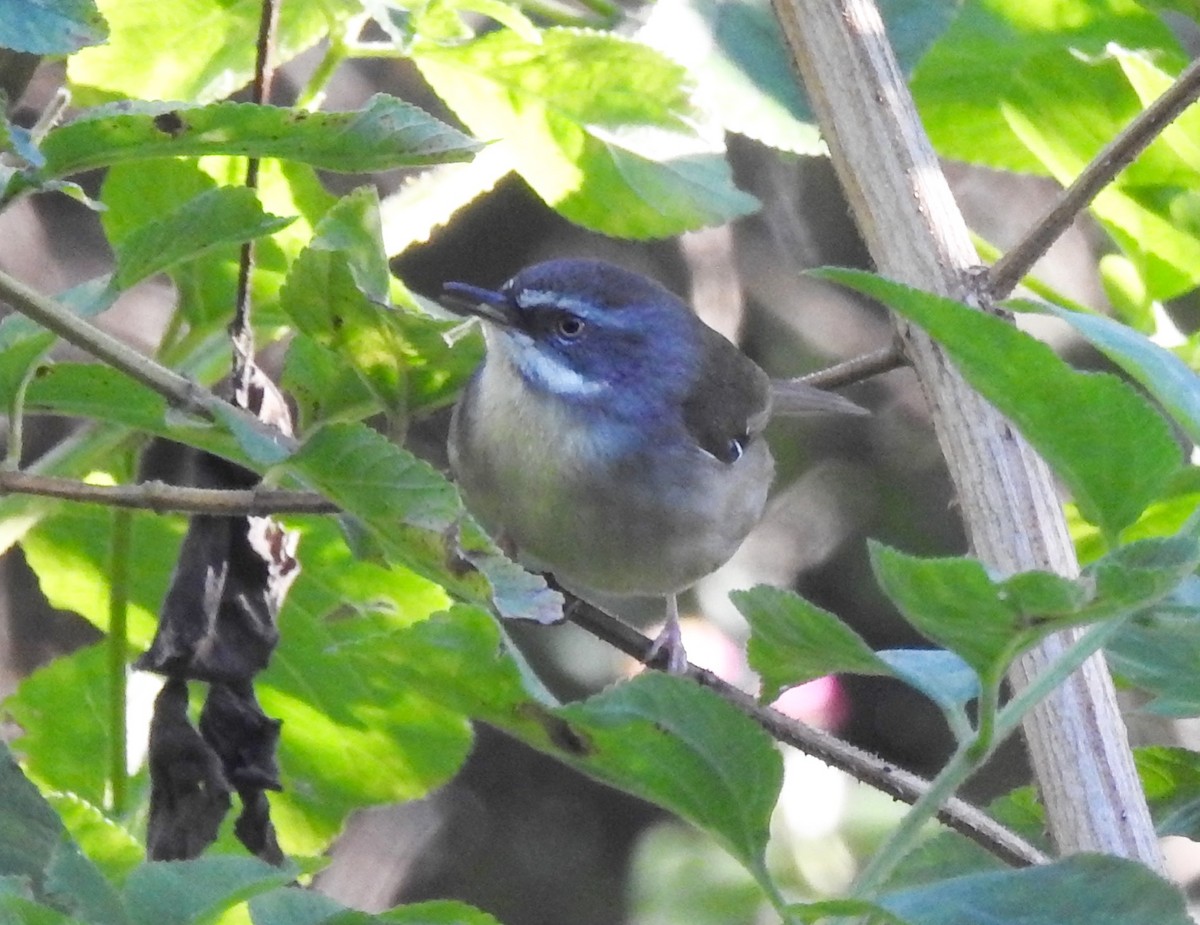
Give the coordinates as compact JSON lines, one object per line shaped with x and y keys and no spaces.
{"x":610,"y":437}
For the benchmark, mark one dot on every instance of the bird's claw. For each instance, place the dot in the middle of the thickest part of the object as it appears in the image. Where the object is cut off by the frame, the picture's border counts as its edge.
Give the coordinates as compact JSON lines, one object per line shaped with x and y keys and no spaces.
{"x":667,"y":651}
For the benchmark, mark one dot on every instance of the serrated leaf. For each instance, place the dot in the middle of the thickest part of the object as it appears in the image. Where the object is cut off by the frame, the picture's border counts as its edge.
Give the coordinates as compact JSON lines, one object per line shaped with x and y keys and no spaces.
{"x":191,"y":49}
{"x":1113,"y":451}
{"x":1172,"y":383}
{"x":662,"y":738}
{"x":50,"y":27}
{"x":101,"y":393}
{"x":113,"y":850}
{"x":599,"y":126}
{"x":384,"y":134}
{"x":186,"y":892}
{"x":388,"y":489}
{"x":1158,"y":653}
{"x":793,"y":641}
{"x":227,"y":215}
{"x":336,"y":293}
{"x":668,"y":740}
{"x":1085,"y":889}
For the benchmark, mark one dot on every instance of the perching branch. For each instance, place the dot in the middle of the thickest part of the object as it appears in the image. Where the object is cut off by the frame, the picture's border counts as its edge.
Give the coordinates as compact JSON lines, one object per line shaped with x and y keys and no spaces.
{"x":162,"y":498}
{"x":870,"y":769}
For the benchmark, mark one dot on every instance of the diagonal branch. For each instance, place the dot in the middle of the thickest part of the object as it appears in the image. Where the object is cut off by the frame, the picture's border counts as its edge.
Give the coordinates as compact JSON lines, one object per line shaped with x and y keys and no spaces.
{"x":1118,"y":154}
{"x":959,"y":815}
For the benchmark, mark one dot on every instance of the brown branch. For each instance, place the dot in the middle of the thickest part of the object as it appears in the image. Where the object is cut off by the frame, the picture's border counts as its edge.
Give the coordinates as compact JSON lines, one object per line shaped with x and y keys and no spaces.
{"x":902,"y":785}
{"x":858,"y":368}
{"x":163,"y":498}
{"x":1118,"y":154}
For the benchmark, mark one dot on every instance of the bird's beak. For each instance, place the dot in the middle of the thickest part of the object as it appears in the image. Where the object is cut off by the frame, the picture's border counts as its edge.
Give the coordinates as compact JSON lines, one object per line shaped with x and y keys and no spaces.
{"x":474,"y":301}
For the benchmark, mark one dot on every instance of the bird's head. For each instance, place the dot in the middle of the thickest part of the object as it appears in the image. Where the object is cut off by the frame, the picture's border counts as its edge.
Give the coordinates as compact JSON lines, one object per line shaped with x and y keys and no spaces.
{"x":587,"y":330}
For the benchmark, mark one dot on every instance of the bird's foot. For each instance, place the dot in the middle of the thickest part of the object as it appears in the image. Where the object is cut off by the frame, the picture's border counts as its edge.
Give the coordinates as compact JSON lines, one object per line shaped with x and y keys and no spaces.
{"x":668,"y":652}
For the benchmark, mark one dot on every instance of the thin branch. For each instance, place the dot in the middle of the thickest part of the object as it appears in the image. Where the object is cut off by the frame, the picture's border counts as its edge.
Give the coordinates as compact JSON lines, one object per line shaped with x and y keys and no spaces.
{"x":1118,"y":154}
{"x":858,"y":368}
{"x":179,"y":391}
{"x":240,"y":330}
{"x":162,"y":498}
{"x":872,"y":770}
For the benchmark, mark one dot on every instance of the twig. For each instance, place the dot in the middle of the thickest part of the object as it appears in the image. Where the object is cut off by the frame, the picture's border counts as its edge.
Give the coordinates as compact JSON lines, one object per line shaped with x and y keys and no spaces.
{"x":858,"y":368}
{"x":240,"y":330}
{"x":179,"y":391}
{"x":163,"y":498}
{"x":1118,"y":154}
{"x":959,"y":815}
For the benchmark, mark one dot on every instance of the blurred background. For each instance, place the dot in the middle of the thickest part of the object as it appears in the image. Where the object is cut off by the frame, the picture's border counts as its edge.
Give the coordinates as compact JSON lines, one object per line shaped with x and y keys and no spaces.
{"x":516,"y":833}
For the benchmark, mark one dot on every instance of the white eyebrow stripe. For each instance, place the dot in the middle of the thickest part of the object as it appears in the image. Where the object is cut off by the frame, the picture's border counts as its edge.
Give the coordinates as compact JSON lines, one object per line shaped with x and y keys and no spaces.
{"x":535,"y":298}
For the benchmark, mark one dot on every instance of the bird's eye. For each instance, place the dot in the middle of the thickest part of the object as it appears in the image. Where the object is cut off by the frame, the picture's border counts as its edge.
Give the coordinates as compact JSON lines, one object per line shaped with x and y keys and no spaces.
{"x":734,"y":451}
{"x":569,"y":326}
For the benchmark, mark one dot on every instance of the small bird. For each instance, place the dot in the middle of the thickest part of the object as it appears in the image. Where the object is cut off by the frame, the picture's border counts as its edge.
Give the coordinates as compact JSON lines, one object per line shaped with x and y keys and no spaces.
{"x":610,"y":437}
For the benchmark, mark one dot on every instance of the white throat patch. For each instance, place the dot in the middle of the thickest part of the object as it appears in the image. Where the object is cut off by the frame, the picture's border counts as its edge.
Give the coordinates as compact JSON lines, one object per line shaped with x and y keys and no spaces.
{"x":543,"y":367}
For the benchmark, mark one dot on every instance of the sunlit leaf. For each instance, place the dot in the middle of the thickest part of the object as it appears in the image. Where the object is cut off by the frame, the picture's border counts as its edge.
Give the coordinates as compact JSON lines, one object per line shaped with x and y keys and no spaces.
{"x":601,"y":127}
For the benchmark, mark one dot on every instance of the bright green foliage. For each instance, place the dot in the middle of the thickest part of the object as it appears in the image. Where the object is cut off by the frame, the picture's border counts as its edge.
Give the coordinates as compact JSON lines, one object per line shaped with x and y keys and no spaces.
{"x":388,"y":651}
{"x":216,"y":217}
{"x":601,"y":127}
{"x":190,"y":49}
{"x":1114,"y":463}
{"x":384,"y":134}
{"x":1042,"y":87}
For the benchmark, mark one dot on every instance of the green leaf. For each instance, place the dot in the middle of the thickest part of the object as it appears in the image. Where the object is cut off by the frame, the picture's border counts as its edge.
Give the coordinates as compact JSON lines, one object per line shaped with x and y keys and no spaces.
{"x":229,"y":215}
{"x":659,"y":737}
{"x":292,"y":906}
{"x":944,"y":677}
{"x":957,"y":605}
{"x":64,"y":712}
{"x":50,"y":27}
{"x":1171,"y":780}
{"x":1081,"y":890}
{"x":352,"y":737}
{"x":1158,"y":653}
{"x":191,"y":49}
{"x":668,"y":740}
{"x":996,"y":50}
{"x":101,"y":393}
{"x":387,"y":488}
{"x":186,"y":892}
{"x":1112,"y":450}
{"x":35,"y":847}
{"x":384,"y":134}
{"x":108,"y":845}
{"x":336,"y":293}
{"x":793,"y":641}
{"x":1172,"y":383}
{"x":601,"y":127}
